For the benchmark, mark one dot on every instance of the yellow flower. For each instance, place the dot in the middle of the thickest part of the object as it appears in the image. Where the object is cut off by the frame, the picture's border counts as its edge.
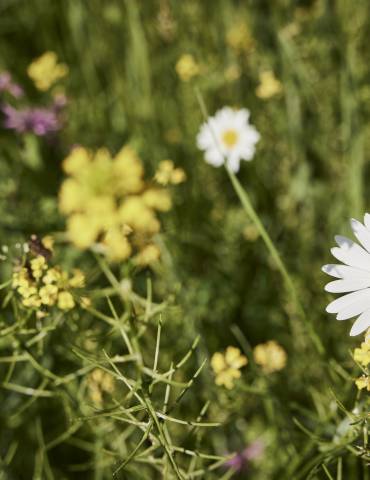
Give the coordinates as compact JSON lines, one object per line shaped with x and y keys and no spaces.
{"x":77,"y":280}
{"x":82,"y":231}
{"x":270,"y":356}
{"x":118,"y":247}
{"x":239,"y":38}
{"x":65,"y":301}
{"x":48,"y":294}
{"x":227,"y":366}
{"x":45,"y":70}
{"x":362,"y":354}
{"x":99,"y":382}
{"x":186,"y":67}
{"x":51,"y":276}
{"x":148,"y":255}
{"x":78,"y":160}
{"x":38,"y":265}
{"x":157,"y":199}
{"x":48,"y":242}
{"x":128,"y":171}
{"x":167,"y":173}
{"x":363,"y":382}
{"x":138,"y":216}
{"x":33,"y":301}
{"x":269,"y":85}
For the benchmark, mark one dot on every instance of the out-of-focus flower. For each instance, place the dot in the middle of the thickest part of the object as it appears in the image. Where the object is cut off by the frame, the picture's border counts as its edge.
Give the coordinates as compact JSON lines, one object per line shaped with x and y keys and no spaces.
{"x":228,"y":137}
{"x":45,"y":70}
{"x":241,"y":461}
{"x":239,"y":38}
{"x":227,"y":366}
{"x":99,"y":383}
{"x":109,"y":205}
{"x":187,"y":67}
{"x":270,"y":356}
{"x":353,"y":276}
{"x":363,"y":382}
{"x":166,"y":24}
{"x":40,"y":121}
{"x":269,"y":85}
{"x":232,"y":73}
{"x":362,"y":354}
{"x":7,"y":85}
{"x":167,"y":173}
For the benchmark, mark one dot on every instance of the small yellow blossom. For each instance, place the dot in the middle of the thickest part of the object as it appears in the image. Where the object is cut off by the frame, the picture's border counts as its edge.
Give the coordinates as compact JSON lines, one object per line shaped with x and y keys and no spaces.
{"x":85,"y":302}
{"x":32,"y":301}
{"x":363,"y":382}
{"x":45,"y":70}
{"x":38,"y":265}
{"x":239,"y":38}
{"x":270,"y":356}
{"x":269,"y":85}
{"x":48,"y":242}
{"x":227,"y":366}
{"x":168,"y":174}
{"x":99,"y":382}
{"x":186,"y":67}
{"x":362,"y":354}
{"x":65,"y":301}
{"x":48,"y":294}
{"x":147,"y":255}
{"x":77,"y":280}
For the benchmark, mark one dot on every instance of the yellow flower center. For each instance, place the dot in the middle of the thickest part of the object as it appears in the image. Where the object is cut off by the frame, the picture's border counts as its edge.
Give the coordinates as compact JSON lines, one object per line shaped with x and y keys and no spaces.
{"x":230,"y":137}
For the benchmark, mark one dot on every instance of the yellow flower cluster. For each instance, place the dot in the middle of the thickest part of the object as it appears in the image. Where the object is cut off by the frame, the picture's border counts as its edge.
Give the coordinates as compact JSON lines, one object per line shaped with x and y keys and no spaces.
{"x":186,"y":67}
{"x":269,"y":85}
{"x":109,"y":205}
{"x":270,"y":356}
{"x":99,"y":382}
{"x":227,"y":366}
{"x":363,"y":382}
{"x":42,"y":286}
{"x":239,"y":38}
{"x":168,"y":174}
{"x":362,"y":356}
{"x":45,"y":71}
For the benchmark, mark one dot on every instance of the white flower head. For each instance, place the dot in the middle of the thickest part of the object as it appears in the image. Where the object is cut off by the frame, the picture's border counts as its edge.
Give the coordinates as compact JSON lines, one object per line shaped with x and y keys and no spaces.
{"x":353,"y":277}
{"x":228,"y":136}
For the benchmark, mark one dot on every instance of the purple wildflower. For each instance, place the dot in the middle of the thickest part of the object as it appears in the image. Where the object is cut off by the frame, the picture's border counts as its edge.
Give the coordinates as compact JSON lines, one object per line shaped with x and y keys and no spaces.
{"x":40,"y":121}
{"x":240,"y":461}
{"x":7,"y":85}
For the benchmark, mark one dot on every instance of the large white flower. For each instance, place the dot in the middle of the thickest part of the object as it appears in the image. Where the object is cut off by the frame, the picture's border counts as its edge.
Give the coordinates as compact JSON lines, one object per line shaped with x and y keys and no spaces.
{"x":228,"y":136}
{"x":354,"y":277}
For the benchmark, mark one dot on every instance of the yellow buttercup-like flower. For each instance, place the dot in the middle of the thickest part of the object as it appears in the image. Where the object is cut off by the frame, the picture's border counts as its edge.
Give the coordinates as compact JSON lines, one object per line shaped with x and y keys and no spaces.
{"x":270,"y":356}
{"x":45,"y":71}
{"x":186,"y":67}
{"x":363,"y":382}
{"x":168,"y":174}
{"x":227,"y":366}
{"x":65,"y":301}
{"x":269,"y":85}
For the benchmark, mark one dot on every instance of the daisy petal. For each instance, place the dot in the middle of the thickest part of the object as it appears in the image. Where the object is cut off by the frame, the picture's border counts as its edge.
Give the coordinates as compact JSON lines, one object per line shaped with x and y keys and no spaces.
{"x":347,"y":285}
{"x":344,"y":271}
{"x":361,"y":324}
{"x":356,"y":308}
{"x":347,"y":300}
{"x":362,"y":233}
{"x":367,"y":220}
{"x":351,"y":253}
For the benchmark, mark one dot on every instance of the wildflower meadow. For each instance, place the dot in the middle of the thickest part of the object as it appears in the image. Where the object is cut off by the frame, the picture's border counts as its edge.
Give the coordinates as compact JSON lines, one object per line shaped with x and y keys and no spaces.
{"x":184,"y":215}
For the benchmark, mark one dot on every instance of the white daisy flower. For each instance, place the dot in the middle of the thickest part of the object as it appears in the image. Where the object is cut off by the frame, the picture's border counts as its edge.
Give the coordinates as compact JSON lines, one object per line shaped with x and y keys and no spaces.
{"x":228,"y":136}
{"x":354,"y":277}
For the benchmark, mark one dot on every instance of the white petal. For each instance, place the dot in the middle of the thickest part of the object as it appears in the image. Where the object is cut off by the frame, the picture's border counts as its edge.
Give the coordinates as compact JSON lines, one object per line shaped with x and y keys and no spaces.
{"x":344,"y":271}
{"x":347,"y":285}
{"x":362,"y":233}
{"x":367,"y":220}
{"x":361,"y":324}
{"x":351,"y":253}
{"x":347,"y":300}
{"x":214,"y":157}
{"x":234,"y":162}
{"x":354,"y":309}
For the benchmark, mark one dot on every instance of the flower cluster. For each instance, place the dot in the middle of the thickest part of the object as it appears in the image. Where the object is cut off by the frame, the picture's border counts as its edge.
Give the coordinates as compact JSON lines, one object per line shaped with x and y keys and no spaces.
{"x":110,"y":206}
{"x":45,"y":71}
{"x":362,"y":356}
{"x":99,"y":383}
{"x":167,"y":174}
{"x":40,"y":285}
{"x":227,"y":365}
{"x":270,"y":356}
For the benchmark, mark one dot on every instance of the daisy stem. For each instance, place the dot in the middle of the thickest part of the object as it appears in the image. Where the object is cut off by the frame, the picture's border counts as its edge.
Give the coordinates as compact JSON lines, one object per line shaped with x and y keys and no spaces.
{"x":252,"y":214}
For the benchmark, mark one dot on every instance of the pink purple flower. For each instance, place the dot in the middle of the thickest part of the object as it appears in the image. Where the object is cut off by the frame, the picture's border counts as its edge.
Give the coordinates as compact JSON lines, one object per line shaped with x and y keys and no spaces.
{"x":7,"y":85}
{"x":40,"y":121}
{"x":240,"y":461}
